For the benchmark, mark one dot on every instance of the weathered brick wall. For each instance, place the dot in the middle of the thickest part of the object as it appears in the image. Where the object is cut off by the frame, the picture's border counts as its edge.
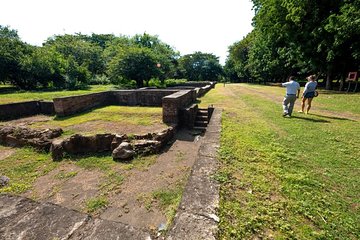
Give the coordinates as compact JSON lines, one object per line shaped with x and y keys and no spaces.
{"x":16,"y":110}
{"x":152,"y":97}
{"x":74,"y":104}
{"x":173,"y":103}
{"x":47,"y":107}
{"x":24,"y":109}
{"x":141,"y":97}
{"x":123,"y":97}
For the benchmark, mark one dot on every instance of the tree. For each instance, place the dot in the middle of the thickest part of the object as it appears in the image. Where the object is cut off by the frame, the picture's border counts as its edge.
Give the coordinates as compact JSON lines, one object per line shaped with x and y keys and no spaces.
{"x":237,"y":64}
{"x":302,"y":37}
{"x":12,"y":52}
{"x":134,"y":63}
{"x":201,"y":67}
{"x":85,"y":53}
{"x":166,"y":55}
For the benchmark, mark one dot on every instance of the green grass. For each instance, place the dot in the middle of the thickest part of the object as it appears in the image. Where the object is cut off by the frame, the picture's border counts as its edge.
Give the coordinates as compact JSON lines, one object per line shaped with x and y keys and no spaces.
{"x":168,"y":200}
{"x":23,"y":168}
{"x":100,"y":119}
{"x":19,"y":96}
{"x":66,"y":175}
{"x":281,"y":178}
{"x":94,"y":205}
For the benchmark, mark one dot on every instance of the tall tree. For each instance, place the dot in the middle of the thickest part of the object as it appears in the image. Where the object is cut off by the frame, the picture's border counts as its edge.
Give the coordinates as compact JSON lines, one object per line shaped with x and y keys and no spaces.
{"x":134,"y":63}
{"x":201,"y":67}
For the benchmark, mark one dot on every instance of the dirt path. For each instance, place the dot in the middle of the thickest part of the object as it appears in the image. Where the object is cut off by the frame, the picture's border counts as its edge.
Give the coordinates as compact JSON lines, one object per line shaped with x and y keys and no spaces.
{"x":134,"y":204}
{"x":132,"y":201}
{"x":4,"y":153}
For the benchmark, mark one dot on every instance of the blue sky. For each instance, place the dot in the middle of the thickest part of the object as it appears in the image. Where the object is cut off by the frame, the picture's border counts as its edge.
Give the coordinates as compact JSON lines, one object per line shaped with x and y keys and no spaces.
{"x":187,"y":25}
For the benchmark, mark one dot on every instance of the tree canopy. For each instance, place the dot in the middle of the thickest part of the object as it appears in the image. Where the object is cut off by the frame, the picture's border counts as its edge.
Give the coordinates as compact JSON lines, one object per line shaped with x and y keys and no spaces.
{"x":75,"y":60}
{"x":298,"y":37}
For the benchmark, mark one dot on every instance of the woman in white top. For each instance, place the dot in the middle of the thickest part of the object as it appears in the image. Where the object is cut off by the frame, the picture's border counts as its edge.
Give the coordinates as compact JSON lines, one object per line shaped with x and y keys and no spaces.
{"x":308,"y":94}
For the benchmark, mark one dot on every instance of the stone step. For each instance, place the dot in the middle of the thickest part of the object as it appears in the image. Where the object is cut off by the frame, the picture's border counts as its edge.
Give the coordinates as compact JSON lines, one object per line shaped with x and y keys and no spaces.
{"x":200,"y":129}
{"x":201,"y":123}
{"x":201,"y":118}
{"x":202,"y":111}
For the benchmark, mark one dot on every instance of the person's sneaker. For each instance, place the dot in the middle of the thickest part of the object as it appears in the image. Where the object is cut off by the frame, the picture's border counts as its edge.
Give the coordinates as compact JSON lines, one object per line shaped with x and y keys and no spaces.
{"x":300,"y":111}
{"x":284,"y":114}
{"x":287,"y":116}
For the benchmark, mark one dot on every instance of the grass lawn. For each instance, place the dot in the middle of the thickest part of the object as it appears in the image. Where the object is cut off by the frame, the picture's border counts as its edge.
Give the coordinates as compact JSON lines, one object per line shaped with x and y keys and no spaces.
{"x":19,"y":96}
{"x":107,"y":119}
{"x":296,"y":178}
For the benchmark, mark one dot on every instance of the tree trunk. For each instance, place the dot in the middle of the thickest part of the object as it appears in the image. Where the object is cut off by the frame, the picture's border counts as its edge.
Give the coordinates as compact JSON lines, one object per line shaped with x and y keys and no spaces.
{"x":328,"y":80}
{"x":342,"y":82}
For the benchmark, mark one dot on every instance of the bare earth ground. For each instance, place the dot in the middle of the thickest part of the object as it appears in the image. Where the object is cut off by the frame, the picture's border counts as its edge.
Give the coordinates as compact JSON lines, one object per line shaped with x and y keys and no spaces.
{"x":132,"y":201}
{"x":6,"y":152}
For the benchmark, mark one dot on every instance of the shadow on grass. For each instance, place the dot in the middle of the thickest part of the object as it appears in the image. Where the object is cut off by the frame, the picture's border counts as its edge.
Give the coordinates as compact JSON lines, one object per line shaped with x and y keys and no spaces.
{"x":80,"y":113}
{"x":334,"y":118}
{"x":311,"y":119}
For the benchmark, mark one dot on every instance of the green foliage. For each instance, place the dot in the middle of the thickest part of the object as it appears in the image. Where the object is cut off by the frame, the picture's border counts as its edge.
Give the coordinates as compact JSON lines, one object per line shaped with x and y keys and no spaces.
{"x":200,"y":67}
{"x":298,"y":37}
{"x":134,"y":63}
{"x":74,"y":61}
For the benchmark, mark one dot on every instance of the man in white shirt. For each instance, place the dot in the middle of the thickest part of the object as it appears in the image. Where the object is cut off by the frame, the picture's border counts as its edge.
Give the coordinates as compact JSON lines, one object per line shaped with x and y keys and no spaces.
{"x":292,"y":92}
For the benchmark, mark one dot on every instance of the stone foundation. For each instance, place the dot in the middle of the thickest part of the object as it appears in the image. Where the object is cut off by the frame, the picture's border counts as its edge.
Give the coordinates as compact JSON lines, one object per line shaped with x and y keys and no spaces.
{"x":141,"y":144}
{"x":21,"y":136}
{"x":25,"y":109}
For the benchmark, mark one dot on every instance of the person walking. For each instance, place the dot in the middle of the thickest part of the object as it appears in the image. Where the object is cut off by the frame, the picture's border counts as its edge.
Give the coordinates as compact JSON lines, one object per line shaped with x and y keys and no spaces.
{"x":292,"y":92}
{"x":308,"y":94}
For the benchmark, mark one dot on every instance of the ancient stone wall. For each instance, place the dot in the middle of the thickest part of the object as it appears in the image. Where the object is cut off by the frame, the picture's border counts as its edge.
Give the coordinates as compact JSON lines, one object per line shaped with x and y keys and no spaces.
{"x":141,"y":97}
{"x":25,"y":109}
{"x":140,"y":144}
{"x":65,"y":106}
{"x":174,"y":102}
{"x":22,"y":136}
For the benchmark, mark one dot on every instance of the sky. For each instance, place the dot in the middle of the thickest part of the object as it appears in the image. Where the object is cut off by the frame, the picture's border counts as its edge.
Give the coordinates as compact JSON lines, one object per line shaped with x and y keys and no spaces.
{"x":209,"y":26}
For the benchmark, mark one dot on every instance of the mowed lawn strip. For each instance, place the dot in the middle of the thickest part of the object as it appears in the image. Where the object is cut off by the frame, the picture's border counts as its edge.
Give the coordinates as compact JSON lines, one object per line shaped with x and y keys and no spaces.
{"x":12,"y":96}
{"x":285,"y":178}
{"x":142,"y":116}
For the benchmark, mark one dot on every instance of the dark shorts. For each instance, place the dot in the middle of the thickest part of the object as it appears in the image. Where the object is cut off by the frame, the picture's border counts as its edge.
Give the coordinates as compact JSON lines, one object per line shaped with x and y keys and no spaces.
{"x":309,"y":95}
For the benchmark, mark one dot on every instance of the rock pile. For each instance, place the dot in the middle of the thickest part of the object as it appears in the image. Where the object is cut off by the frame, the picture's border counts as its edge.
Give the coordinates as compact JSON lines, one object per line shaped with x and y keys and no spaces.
{"x":122,"y":146}
{"x":22,"y":136}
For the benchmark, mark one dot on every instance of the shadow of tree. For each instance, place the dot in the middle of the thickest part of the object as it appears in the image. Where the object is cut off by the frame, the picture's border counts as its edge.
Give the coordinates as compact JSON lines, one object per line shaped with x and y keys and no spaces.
{"x":311,"y":119}
{"x":334,"y":118}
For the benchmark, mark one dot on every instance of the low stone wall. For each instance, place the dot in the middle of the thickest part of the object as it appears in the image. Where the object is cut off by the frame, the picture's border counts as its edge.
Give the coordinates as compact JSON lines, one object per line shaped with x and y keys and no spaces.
{"x":172,"y":100}
{"x":65,"y":106}
{"x":141,"y":144}
{"x":21,"y":136}
{"x":24,"y":109}
{"x":199,"y":84}
{"x":141,"y":97}
{"x":173,"y":103}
